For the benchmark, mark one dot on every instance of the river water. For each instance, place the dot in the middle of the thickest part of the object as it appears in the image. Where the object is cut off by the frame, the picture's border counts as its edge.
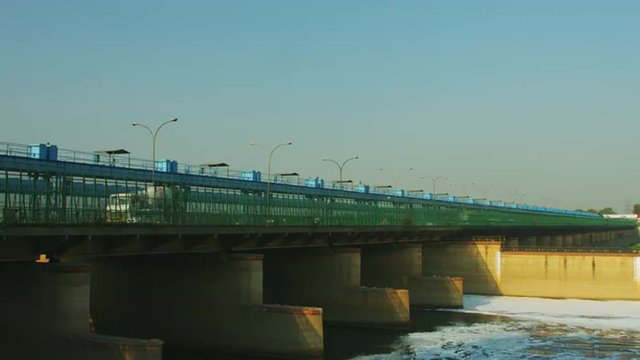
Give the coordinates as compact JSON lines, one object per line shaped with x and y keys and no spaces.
{"x":491,"y":327}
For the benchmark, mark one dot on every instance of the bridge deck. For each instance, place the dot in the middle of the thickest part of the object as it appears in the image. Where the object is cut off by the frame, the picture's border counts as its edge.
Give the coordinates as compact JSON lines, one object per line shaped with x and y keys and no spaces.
{"x":51,"y":192}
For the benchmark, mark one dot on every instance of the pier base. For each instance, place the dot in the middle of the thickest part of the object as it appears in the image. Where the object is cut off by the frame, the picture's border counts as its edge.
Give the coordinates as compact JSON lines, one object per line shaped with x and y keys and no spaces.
{"x":102,"y":347}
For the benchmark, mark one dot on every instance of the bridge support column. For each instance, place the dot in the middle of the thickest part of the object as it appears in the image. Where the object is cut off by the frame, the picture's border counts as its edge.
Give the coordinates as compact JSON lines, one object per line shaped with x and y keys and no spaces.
{"x":400,"y":266}
{"x":527,"y":241}
{"x":511,"y":242}
{"x":330,"y":278}
{"x":556,"y":241}
{"x":567,"y":240}
{"x":587,"y":239}
{"x":543,"y":241}
{"x":43,"y":307}
{"x":577,"y":240}
{"x":477,"y":262}
{"x":200,"y":301}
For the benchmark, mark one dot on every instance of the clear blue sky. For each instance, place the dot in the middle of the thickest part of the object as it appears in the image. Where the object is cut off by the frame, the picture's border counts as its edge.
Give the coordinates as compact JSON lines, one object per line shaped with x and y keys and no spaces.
{"x":537,"y":97}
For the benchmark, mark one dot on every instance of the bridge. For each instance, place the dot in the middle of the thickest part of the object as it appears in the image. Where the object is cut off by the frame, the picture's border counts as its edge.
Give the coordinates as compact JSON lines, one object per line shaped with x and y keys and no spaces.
{"x":161,"y":235}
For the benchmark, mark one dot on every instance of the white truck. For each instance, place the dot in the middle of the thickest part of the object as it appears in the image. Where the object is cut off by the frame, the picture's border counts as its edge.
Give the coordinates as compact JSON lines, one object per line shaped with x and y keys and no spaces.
{"x":146,"y":205}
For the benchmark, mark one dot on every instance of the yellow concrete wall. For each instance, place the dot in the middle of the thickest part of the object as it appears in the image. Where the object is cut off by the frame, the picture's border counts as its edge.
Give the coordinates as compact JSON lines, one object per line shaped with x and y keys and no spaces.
{"x":571,"y":275}
{"x":487,"y":270}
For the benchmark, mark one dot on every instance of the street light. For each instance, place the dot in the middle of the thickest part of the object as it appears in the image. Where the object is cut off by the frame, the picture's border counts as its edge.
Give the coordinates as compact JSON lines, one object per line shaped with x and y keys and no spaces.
{"x":340,"y":166}
{"x":434,"y":180}
{"x":269,"y":167}
{"x":154,"y":135}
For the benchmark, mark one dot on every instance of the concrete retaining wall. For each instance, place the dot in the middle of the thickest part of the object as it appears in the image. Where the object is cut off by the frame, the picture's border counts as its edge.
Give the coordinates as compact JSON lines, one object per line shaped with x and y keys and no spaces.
{"x":488,"y":270}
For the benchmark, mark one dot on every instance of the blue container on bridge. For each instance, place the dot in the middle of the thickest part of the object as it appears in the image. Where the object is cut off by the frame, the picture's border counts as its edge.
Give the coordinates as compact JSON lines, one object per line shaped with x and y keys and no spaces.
{"x":252,"y":175}
{"x":52,"y":152}
{"x":427,"y":196}
{"x":314,"y":183}
{"x":449,"y":198}
{"x":42,"y":152}
{"x":464,"y":199}
{"x":37,"y":151}
{"x":398,"y":192}
{"x":362,"y":188}
{"x":169,"y":166}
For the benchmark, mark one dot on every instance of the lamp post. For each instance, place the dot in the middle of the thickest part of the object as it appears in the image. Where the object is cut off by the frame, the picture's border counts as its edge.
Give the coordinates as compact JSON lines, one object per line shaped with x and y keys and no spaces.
{"x":154,"y":135}
{"x":434,"y":180}
{"x":269,"y":168}
{"x":340,"y":166}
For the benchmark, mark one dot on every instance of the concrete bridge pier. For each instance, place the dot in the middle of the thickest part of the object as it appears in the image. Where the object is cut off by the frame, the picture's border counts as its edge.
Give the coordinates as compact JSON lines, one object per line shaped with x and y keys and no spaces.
{"x":331,"y":278}
{"x":400,"y":266}
{"x":578,"y":240}
{"x":44,"y":314}
{"x":604,"y":237}
{"x":478,"y":262}
{"x":42,"y":308}
{"x":527,"y":241}
{"x":567,"y":240}
{"x":587,"y":239}
{"x":598,"y":237}
{"x":200,"y":302}
{"x":556,"y":241}
{"x":543,"y":241}
{"x":511,"y":242}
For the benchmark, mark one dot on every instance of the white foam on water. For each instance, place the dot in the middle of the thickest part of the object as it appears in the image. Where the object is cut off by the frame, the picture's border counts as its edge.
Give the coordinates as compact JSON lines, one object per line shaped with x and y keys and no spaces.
{"x":530,"y":328}
{"x":591,"y":314}
{"x":478,"y":341}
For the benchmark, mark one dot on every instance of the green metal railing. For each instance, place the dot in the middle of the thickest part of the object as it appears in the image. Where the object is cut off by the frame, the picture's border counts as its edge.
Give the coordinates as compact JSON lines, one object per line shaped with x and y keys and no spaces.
{"x":61,"y":198}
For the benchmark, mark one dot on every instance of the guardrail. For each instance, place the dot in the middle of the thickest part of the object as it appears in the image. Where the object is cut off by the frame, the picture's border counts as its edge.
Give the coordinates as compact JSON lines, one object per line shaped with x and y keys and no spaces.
{"x":124,"y":160}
